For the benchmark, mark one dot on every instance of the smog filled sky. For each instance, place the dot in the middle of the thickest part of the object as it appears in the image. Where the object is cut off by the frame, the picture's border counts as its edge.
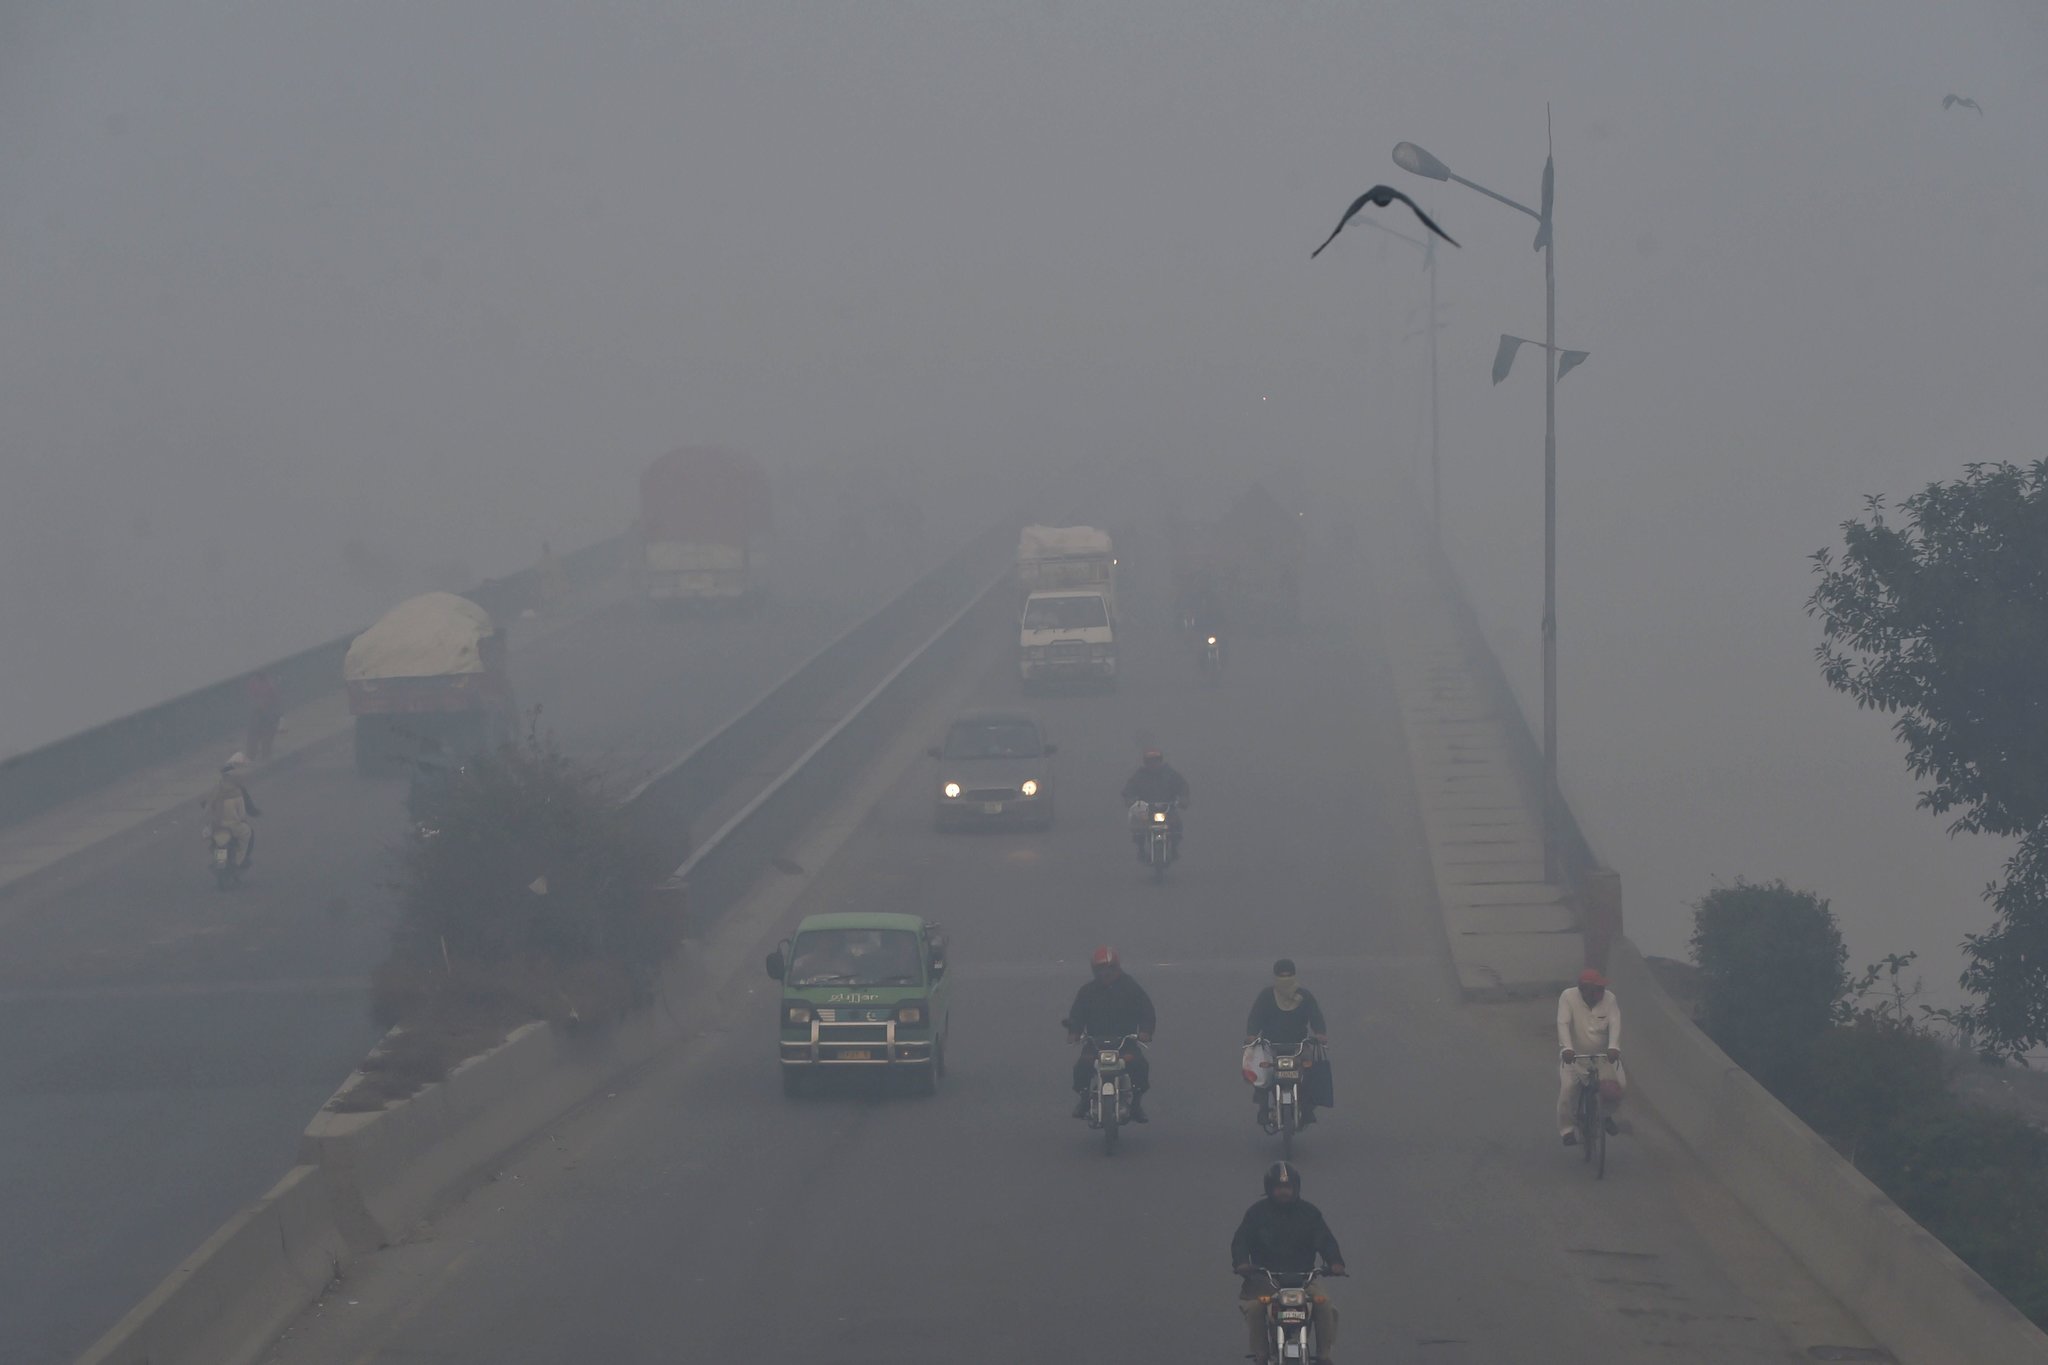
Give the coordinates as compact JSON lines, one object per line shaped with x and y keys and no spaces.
{"x":303,"y":307}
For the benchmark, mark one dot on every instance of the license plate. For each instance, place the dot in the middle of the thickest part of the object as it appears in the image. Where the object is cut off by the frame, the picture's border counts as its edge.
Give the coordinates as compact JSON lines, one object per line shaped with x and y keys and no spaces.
{"x":856,"y":1055}
{"x":991,"y":808}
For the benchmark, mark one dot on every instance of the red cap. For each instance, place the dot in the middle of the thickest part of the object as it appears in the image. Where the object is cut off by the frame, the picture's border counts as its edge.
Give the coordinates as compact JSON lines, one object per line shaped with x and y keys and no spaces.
{"x":1104,"y":957}
{"x":1591,"y":977}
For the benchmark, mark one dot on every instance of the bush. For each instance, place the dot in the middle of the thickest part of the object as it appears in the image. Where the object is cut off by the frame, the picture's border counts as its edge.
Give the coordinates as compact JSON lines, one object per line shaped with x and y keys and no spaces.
{"x":532,"y":902}
{"x":1772,"y":975}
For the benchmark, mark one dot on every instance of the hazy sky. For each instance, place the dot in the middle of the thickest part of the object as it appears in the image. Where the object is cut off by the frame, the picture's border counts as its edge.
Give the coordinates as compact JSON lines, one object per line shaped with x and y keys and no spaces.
{"x":302,"y":303}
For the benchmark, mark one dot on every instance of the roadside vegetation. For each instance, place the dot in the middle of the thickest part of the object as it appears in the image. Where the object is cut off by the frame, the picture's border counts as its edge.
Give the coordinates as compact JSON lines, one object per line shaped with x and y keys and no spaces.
{"x":1872,"y":1071}
{"x":533,"y":901}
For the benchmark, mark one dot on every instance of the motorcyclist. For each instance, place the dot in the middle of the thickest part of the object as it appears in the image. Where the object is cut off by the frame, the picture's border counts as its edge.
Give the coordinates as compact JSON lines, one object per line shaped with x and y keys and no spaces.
{"x":1157,"y":783}
{"x":231,"y":807}
{"x":1286,"y":1014}
{"x":1285,"y":1234}
{"x":1107,"y":1008}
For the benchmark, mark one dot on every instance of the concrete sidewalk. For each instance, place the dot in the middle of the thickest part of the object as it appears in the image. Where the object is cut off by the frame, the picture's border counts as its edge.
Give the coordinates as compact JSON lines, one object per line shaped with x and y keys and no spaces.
{"x":1511,"y":934}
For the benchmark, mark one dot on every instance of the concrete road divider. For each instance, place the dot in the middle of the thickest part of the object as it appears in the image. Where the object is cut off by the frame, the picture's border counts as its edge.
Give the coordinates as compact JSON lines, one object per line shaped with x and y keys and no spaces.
{"x":368,"y":1178}
{"x":240,"y":1288}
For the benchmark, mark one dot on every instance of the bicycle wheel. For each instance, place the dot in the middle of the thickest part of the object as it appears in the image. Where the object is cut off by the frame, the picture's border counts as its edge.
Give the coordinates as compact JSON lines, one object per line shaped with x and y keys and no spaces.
{"x":1589,"y":1124}
{"x":1600,"y":1160}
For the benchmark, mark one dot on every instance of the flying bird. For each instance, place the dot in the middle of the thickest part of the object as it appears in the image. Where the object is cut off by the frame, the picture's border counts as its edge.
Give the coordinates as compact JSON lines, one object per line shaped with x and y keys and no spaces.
{"x":1381,"y":195}
{"x":1951,"y":101}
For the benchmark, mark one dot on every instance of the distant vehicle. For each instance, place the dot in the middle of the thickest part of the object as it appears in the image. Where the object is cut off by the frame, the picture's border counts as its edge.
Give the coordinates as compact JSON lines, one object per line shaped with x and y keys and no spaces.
{"x":1210,"y":659}
{"x":1110,"y":1092}
{"x":1067,"y":637}
{"x":1249,"y":563}
{"x":430,"y":673}
{"x":1050,"y":557}
{"x":1159,"y":828}
{"x":994,"y":768}
{"x":703,"y":514}
{"x":863,"y":991}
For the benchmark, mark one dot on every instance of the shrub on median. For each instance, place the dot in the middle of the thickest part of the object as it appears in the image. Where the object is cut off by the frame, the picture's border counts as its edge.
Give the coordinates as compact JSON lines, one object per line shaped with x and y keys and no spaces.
{"x":532,"y":901}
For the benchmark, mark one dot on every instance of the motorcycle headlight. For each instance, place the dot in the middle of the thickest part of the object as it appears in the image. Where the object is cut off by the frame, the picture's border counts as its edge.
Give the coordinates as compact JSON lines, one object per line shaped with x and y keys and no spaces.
{"x":1158,"y":817}
{"x":797,"y":1014}
{"x":1030,"y":787}
{"x":952,"y":790}
{"x":1212,"y":639}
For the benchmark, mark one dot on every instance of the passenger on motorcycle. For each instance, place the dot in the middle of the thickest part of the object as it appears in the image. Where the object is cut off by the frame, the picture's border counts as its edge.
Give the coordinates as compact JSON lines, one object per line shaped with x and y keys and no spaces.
{"x":230,"y":807}
{"x":1157,"y":783}
{"x":1285,"y":1234}
{"x":1285,"y":1014}
{"x":1108,"y":1008}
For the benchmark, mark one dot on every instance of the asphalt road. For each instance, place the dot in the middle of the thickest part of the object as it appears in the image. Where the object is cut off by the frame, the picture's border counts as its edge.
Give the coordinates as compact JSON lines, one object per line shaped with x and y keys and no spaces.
{"x":699,"y":1215}
{"x":165,"y":1043}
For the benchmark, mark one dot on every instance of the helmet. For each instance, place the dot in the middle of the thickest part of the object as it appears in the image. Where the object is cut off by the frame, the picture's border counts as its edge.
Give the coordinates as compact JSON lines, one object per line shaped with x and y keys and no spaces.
{"x":1591,"y":977}
{"x":1153,"y":758}
{"x":237,"y":759}
{"x":1105,"y":957}
{"x":1283,"y":1173}
{"x":1284,"y":967}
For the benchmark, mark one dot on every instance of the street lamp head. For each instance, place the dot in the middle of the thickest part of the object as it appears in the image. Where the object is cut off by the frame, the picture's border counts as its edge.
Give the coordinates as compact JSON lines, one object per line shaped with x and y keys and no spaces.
{"x":1410,"y":157}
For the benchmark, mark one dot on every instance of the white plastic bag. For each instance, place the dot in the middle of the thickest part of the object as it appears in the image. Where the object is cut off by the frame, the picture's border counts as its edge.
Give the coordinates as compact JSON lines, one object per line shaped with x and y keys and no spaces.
{"x":1258,"y":1065}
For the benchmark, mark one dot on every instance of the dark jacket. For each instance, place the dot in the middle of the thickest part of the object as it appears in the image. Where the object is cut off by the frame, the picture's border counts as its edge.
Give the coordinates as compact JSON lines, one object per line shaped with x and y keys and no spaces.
{"x":1157,"y":785}
{"x":1109,"y":1012}
{"x":1284,"y":1237}
{"x":1284,"y":1029}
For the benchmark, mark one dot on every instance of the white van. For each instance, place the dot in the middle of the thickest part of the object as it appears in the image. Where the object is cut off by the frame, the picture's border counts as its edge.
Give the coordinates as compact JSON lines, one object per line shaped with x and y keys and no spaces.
{"x":1067,"y":636}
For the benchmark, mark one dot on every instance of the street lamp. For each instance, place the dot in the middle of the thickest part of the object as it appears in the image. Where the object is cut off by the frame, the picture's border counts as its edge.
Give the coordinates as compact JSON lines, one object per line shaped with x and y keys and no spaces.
{"x":1412,"y":158}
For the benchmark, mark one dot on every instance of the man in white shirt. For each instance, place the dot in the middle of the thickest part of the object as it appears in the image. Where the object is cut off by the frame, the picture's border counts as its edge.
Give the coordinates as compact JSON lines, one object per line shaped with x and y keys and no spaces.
{"x":1588,"y":1020}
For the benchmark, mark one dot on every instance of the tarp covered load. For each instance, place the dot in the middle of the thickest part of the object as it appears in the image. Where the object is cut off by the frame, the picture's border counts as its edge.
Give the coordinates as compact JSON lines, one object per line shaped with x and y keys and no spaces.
{"x":1061,"y":542}
{"x":434,"y":635}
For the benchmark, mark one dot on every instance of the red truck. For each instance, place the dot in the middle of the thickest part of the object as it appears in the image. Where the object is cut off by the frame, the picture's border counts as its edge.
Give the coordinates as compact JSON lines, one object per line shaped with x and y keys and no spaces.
{"x":703,"y":513}
{"x":431,"y":673}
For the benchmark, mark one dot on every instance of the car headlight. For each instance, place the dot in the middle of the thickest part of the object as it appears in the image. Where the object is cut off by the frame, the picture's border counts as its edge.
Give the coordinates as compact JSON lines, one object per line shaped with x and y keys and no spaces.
{"x":797,"y":1014}
{"x":910,"y":1012}
{"x":952,"y":790}
{"x":1030,"y":788}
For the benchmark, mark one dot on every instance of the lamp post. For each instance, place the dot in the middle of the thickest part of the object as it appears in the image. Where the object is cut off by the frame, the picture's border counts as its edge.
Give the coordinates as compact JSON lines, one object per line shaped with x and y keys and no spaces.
{"x":1412,"y":158}
{"x":1436,"y":483}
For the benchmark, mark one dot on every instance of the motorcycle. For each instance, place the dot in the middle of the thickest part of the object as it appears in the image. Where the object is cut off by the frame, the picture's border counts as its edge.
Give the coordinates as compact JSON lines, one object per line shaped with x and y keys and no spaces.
{"x":1210,"y":660}
{"x":222,"y":855}
{"x":1111,"y":1094}
{"x":1158,"y":833}
{"x":1286,"y":1109}
{"x":1290,"y":1316}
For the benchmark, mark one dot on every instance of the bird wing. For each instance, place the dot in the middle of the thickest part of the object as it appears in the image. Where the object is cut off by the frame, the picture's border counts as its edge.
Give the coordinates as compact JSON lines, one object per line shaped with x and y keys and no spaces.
{"x":1349,"y":214}
{"x":1948,"y":101}
{"x":1416,"y":208}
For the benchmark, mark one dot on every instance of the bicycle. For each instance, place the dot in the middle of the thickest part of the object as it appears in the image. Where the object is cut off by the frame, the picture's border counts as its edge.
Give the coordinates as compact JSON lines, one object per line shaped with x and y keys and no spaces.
{"x":1589,"y":1116}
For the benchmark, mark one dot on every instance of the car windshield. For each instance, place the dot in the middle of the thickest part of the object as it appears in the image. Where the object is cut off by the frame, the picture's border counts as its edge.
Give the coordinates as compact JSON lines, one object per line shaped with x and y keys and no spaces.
{"x":993,"y":739}
{"x":1065,"y":613}
{"x":855,"y":957}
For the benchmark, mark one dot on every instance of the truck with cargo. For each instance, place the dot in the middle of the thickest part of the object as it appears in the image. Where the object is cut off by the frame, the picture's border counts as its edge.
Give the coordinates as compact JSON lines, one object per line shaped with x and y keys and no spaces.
{"x":704,"y":512}
{"x":430,"y":674}
{"x":1058,"y":557}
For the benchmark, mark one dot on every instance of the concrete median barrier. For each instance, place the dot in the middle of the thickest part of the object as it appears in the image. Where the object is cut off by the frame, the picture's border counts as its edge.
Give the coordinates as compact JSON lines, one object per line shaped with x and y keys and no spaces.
{"x":367,"y":1178}
{"x":240,"y":1288}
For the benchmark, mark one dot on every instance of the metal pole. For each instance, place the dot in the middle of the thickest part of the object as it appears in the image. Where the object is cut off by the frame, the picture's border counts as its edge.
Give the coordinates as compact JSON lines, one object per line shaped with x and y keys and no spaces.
{"x":1436,"y":478}
{"x":1551,"y":868}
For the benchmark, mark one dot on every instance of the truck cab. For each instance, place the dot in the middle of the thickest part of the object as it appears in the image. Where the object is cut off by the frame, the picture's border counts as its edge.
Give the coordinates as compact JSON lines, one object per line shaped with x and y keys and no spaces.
{"x":1067,"y":637}
{"x":863,"y":991}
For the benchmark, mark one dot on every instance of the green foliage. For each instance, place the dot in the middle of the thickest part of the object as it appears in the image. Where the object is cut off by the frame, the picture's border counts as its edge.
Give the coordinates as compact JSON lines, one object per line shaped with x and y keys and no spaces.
{"x":1772,"y":970}
{"x":530,"y":903}
{"x":1878,"y":1067}
{"x":1943,"y":622}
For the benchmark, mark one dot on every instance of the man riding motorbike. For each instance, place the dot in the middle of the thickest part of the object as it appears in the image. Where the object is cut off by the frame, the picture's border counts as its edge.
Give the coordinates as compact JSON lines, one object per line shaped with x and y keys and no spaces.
{"x":1286,"y":1014}
{"x":1285,"y":1234}
{"x":230,"y":807}
{"x":1107,"y":1008}
{"x":1156,"y":783}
